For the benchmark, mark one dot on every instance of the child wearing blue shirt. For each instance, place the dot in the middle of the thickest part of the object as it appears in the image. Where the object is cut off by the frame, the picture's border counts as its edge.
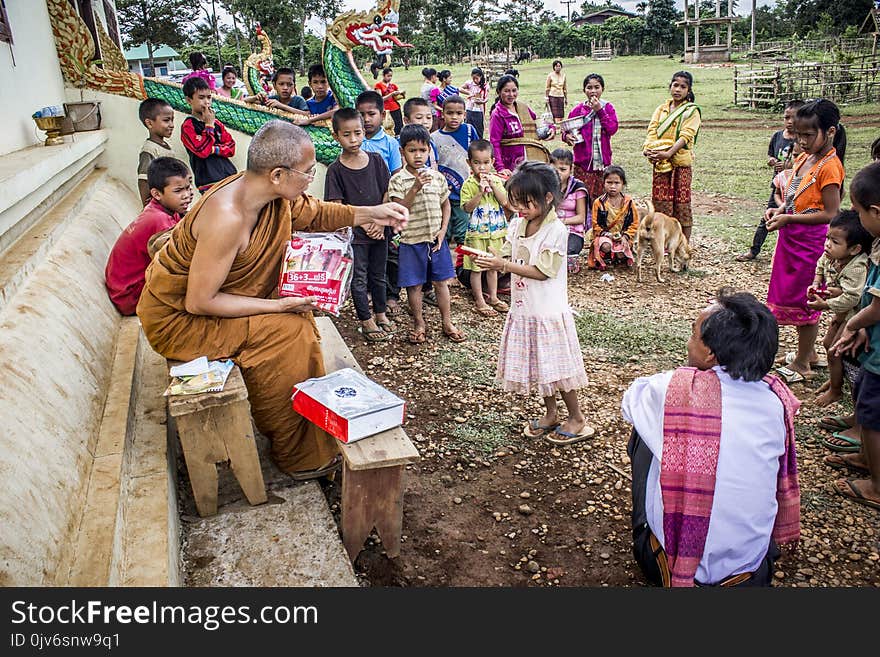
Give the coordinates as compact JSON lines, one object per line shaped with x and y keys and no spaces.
{"x":322,"y":104}
{"x":372,"y":110}
{"x":452,"y":142}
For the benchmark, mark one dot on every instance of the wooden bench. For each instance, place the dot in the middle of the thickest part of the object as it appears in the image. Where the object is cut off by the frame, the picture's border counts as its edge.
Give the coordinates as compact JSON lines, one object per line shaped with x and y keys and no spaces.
{"x":215,"y":427}
{"x":372,"y":477}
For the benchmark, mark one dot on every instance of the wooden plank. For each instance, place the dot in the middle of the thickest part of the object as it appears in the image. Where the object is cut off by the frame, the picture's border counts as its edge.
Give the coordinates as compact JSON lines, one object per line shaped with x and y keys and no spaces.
{"x":372,"y":498}
{"x":233,"y":391}
{"x":234,"y":421}
{"x":386,"y":449}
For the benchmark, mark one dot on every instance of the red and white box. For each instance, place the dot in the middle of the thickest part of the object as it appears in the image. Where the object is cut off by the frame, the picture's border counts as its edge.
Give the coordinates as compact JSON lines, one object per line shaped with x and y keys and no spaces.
{"x":348,"y":405}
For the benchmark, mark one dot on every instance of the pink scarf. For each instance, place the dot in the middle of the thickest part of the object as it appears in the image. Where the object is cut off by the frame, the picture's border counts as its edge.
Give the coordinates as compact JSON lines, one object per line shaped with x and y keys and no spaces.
{"x":691,"y":441}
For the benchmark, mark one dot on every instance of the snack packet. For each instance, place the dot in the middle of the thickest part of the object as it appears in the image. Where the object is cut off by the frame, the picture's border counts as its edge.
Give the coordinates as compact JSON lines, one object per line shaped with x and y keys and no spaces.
{"x":318,"y":265}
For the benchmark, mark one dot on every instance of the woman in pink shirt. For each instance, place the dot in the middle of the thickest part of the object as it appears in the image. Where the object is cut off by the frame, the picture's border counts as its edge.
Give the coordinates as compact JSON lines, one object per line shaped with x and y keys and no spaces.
{"x":506,"y":124}
{"x":593,"y":153}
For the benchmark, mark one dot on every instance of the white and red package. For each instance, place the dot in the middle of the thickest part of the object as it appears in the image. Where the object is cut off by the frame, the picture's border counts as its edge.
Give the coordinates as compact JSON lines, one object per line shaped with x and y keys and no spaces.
{"x":318,"y":265}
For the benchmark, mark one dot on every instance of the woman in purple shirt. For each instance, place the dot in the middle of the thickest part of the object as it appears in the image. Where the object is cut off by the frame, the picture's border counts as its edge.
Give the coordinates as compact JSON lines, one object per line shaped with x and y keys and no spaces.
{"x":593,"y":153}
{"x":506,"y":123}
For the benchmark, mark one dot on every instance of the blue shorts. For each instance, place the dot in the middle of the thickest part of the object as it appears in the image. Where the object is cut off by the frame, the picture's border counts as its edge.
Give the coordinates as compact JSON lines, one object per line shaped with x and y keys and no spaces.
{"x":418,"y":264}
{"x":866,"y":393}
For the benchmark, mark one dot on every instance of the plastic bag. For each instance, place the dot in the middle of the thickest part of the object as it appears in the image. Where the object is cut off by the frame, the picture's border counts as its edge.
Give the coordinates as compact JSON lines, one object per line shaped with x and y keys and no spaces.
{"x":318,"y":265}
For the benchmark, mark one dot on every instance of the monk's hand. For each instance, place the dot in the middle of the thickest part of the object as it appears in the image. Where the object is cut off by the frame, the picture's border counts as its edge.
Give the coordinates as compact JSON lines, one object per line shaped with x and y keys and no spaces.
{"x":388,"y":214}
{"x":297,"y":304}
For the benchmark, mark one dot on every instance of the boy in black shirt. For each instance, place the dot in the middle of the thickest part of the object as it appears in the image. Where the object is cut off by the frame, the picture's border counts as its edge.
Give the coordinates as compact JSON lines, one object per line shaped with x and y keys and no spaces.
{"x":779,"y":157}
{"x":361,"y":178}
{"x":207,"y":141}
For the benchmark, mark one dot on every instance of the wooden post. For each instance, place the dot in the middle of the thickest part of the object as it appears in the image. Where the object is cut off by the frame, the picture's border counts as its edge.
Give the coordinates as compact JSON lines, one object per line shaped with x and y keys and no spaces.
{"x":754,"y":8}
{"x":717,"y":26}
{"x":729,"y":28}
{"x":686,"y":30}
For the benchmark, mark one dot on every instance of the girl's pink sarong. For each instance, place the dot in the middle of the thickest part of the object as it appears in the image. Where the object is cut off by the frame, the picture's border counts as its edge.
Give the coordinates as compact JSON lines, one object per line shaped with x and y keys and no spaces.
{"x":620,"y":249}
{"x":798,"y":249}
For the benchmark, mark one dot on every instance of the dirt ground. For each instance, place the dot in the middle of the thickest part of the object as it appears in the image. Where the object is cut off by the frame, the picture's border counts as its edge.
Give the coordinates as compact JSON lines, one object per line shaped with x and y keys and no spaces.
{"x":486,"y":506}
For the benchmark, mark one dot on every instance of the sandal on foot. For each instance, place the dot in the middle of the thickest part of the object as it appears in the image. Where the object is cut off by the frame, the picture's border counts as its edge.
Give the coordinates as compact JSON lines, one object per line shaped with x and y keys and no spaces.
{"x":790,"y":356}
{"x":535,"y":430}
{"x":745,"y":257}
{"x":417,"y":337}
{"x":840,"y":463}
{"x":840,"y":442}
{"x":855,"y":495}
{"x":560,"y":437}
{"x":305,"y":475}
{"x":834,"y":423}
{"x":500,"y":306}
{"x":375,"y":336}
{"x":485,"y":311}
{"x":790,"y":376}
{"x":388,"y":327}
{"x":455,"y":336}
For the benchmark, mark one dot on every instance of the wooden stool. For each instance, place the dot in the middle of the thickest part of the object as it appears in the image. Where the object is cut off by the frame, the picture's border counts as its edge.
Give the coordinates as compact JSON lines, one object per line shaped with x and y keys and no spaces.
{"x":372,"y":471}
{"x":216,"y":427}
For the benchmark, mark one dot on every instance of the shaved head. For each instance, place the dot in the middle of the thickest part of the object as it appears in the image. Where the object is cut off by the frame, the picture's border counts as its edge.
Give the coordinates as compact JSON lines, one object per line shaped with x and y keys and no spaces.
{"x":276,"y":144}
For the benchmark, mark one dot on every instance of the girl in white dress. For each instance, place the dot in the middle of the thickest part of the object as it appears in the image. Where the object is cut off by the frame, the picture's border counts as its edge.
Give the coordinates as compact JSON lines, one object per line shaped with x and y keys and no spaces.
{"x":539,"y":347}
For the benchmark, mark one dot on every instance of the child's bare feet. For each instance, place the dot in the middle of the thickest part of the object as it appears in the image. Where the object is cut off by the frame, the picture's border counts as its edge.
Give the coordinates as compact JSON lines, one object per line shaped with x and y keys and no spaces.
{"x":825,"y":386}
{"x":828,"y":397}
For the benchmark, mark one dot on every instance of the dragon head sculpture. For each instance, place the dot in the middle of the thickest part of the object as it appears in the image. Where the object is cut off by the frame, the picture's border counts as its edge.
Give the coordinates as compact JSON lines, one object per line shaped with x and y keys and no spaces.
{"x":376,"y":28}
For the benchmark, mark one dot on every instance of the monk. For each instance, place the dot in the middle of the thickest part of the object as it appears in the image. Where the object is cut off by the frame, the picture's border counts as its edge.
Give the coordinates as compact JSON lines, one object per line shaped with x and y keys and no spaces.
{"x":212,"y":289}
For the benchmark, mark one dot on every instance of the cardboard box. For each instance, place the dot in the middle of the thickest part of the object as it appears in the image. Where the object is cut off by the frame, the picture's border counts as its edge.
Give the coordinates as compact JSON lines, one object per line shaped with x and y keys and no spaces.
{"x":348,"y":405}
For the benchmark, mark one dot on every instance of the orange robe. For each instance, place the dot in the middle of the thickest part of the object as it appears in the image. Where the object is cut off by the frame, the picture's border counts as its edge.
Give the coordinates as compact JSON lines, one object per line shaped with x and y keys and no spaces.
{"x":274,"y":351}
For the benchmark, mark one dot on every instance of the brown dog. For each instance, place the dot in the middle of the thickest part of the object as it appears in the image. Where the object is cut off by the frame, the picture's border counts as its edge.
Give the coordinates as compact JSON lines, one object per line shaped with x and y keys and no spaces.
{"x":662,"y":234}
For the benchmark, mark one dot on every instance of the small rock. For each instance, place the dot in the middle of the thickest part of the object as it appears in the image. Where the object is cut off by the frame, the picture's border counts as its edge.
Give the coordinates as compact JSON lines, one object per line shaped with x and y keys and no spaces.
{"x":456,"y":500}
{"x":854,"y":556}
{"x":525,"y":495}
{"x":533,"y":567}
{"x":460,"y":419}
{"x":604,"y":555}
{"x":525,"y":509}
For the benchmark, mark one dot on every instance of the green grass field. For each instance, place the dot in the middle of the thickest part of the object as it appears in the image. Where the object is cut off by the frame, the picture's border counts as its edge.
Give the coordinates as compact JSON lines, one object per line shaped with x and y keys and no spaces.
{"x":730,"y":158}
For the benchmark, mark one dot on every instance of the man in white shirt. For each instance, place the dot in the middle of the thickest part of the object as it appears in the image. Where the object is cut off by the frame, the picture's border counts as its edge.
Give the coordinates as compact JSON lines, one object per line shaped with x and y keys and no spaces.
{"x":736,"y":338}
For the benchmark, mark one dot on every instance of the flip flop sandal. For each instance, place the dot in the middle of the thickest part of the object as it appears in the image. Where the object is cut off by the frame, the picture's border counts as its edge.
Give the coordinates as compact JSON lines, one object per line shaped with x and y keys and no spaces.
{"x":486,"y":311}
{"x":388,"y":327}
{"x":834,"y":423}
{"x":790,"y":376}
{"x":455,"y":336}
{"x":790,"y":356}
{"x":417,"y":337}
{"x":844,"y":443}
{"x":840,"y":463}
{"x":501,"y":306}
{"x":560,"y":437}
{"x":856,"y":496}
{"x":306,"y":475}
{"x":534,"y":430}
{"x":375,"y":336}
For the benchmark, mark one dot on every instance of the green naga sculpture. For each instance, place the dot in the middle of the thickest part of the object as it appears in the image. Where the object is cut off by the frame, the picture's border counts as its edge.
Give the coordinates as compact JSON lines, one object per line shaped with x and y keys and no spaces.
{"x":375,"y":29}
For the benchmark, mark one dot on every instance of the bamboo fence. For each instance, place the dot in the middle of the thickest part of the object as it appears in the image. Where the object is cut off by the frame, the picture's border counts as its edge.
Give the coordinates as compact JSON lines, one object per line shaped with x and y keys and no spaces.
{"x":771,"y":85}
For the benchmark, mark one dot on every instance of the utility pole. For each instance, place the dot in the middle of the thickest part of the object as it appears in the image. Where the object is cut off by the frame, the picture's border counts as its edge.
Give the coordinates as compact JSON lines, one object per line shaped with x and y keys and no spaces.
{"x":217,"y":36}
{"x":568,"y":4}
{"x":237,"y":44}
{"x":754,"y":3}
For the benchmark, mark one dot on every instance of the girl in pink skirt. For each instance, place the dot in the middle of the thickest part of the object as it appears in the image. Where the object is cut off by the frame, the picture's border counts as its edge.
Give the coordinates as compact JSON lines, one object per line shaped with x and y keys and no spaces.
{"x":539,"y":347}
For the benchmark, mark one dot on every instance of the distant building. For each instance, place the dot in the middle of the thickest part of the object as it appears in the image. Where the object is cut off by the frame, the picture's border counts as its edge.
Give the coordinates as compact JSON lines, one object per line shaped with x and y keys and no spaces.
{"x":166,"y":59}
{"x":599,"y":17}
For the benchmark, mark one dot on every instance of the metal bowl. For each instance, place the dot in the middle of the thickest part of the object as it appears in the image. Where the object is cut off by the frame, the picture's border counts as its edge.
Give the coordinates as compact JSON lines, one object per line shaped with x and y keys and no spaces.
{"x":51,"y":125}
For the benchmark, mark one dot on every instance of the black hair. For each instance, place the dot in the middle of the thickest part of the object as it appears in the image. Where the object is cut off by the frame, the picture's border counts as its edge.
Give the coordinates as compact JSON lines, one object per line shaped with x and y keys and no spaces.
{"x":613,"y":169}
{"x":452,"y":100}
{"x":429,"y":72}
{"x":562,"y":155}
{"x":503,"y":81}
{"x":197,"y":60}
{"x":848,"y":222}
{"x":370,"y":96}
{"x":555,"y":62}
{"x":284,"y":70}
{"x":531,"y":182}
{"x":827,"y":116}
{"x":163,"y":168}
{"x":513,"y":72}
{"x":306,"y":92}
{"x":194,"y":84}
{"x":227,"y":69}
{"x":444,"y":74}
{"x":875,"y":149}
{"x":412,"y":102}
{"x":687,"y":77}
{"x":742,"y":334}
{"x":345,"y":114}
{"x":865,"y":187}
{"x":413,"y":132}
{"x":594,"y":76}
{"x":387,"y":69}
{"x":795,"y":104}
{"x":476,"y":70}
{"x":480,"y":146}
{"x":315,"y":70}
{"x":150,"y":108}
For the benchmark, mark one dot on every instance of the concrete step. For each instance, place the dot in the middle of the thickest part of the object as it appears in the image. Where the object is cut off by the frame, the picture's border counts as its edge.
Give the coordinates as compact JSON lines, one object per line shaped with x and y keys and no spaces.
{"x":27,"y":252}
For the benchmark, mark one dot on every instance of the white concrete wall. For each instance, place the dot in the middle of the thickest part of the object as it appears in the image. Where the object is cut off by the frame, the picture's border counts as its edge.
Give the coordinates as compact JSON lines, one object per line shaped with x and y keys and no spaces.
{"x":34,"y":80}
{"x":127,"y":134}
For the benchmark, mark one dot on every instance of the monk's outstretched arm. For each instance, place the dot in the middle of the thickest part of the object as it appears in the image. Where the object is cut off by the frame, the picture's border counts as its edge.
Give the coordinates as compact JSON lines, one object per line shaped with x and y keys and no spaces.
{"x":212,"y":259}
{"x":314,"y":216}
